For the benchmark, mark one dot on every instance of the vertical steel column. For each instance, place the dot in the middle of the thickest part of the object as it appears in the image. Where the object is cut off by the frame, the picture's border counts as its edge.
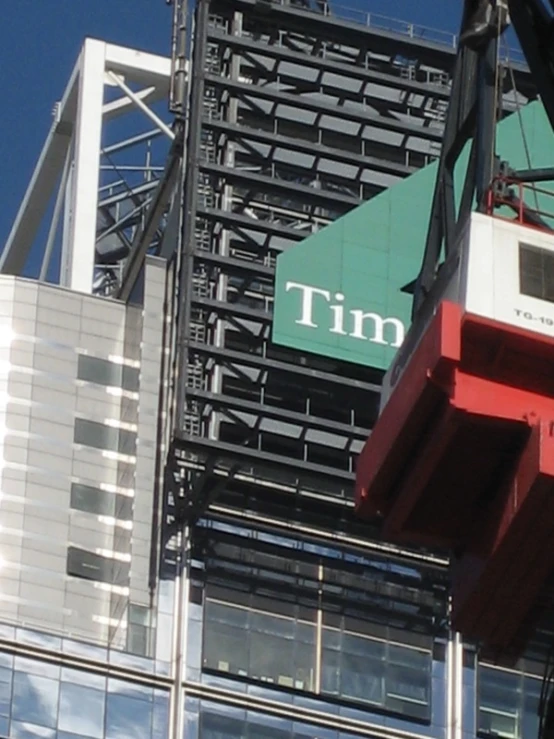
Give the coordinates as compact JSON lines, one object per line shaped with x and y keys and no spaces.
{"x":179,"y":43}
{"x":226,"y":205}
{"x":190,"y":198}
{"x":183,"y":299}
{"x":78,"y":256}
{"x":487,"y":100}
{"x":454,"y":656}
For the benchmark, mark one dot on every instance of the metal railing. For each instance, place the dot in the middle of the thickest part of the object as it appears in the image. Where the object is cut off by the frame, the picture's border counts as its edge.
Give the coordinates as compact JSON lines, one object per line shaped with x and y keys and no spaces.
{"x":379,"y":22}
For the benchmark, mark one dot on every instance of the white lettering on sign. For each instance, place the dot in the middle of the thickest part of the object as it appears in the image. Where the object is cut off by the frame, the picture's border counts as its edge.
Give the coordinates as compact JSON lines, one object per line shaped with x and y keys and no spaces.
{"x":356,"y":324}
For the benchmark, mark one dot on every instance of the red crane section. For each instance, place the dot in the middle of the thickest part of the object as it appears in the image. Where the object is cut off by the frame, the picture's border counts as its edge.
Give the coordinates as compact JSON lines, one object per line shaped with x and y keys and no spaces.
{"x":463,"y":458}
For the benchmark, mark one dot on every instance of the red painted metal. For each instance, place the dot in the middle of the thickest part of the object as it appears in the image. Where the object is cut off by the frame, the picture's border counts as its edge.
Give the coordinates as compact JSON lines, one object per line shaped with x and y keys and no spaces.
{"x":462,"y":458}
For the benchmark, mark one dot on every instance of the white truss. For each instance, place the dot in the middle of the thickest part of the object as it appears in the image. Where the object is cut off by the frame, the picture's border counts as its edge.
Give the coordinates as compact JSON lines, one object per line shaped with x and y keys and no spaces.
{"x":90,"y":192}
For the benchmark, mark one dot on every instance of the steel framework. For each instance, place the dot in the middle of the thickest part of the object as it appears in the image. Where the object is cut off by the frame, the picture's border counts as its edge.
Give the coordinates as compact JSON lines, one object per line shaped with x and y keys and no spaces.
{"x":288,"y":130}
{"x":96,"y":197}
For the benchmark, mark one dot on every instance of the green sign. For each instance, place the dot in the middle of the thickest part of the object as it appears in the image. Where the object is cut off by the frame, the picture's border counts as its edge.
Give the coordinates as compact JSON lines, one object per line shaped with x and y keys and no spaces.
{"x":339,"y":292}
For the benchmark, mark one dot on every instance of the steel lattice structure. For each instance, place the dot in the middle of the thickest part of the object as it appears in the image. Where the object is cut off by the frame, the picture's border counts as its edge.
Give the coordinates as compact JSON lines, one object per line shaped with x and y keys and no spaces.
{"x":287,"y":132}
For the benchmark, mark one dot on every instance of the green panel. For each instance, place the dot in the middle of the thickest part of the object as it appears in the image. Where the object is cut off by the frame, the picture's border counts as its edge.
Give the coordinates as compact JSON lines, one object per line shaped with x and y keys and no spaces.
{"x":338,"y":293}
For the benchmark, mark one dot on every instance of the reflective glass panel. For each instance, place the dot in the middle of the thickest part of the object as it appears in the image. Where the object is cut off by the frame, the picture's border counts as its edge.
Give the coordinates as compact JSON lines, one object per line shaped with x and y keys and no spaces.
{"x":82,"y":710}
{"x":127,"y":717}
{"x":35,"y":699}
{"x":500,"y":702}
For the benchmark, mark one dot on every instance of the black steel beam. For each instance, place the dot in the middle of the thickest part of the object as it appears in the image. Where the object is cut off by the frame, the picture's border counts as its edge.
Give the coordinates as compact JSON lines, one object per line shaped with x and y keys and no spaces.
{"x":252,"y":224}
{"x":231,"y":266}
{"x":224,"y":451}
{"x":230,"y":309}
{"x":349,"y":526}
{"x":544,"y":174}
{"x":534,"y":25}
{"x":265,"y":183}
{"x":221,"y":402}
{"x":335,"y":111}
{"x":227,"y":356}
{"x":190,"y":205}
{"x":352,"y":71}
{"x":334,"y":28}
{"x":237,"y":132}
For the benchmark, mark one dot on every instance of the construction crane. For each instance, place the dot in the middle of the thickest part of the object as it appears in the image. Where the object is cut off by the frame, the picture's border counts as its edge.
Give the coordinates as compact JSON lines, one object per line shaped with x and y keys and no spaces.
{"x":462,"y":455}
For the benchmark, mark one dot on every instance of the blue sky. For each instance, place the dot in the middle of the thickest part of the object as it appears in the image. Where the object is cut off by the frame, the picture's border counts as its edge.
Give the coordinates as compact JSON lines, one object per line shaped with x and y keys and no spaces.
{"x":39,"y":44}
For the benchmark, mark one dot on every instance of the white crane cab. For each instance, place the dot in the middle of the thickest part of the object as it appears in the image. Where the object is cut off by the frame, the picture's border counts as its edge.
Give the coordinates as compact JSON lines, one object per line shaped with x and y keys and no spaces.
{"x":506,"y":272}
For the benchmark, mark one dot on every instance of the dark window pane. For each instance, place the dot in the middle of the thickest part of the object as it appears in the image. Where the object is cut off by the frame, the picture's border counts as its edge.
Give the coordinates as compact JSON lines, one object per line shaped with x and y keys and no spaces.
{"x":362,"y":679}
{"x":127,"y":442}
{"x":536,"y":272}
{"x":129,"y":378}
{"x":99,"y":371}
{"x":262,"y":646}
{"x":499,"y":695}
{"x":93,"y":500}
{"x":408,"y":680}
{"x":96,"y":435}
{"x":123,"y":507}
{"x":225,"y":648}
{"x":221,"y":727}
{"x":90,"y":566}
{"x":531,"y":699}
{"x":508,"y":703}
{"x":100,"y":436}
{"x":139,"y":615}
{"x":367,"y":670}
{"x":330,"y":671}
{"x":137,"y":639}
{"x":104,"y":372}
{"x":271,"y":659}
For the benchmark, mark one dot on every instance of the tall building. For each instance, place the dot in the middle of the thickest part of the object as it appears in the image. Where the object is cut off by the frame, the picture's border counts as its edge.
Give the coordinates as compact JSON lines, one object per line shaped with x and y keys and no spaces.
{"x":180,"y":556}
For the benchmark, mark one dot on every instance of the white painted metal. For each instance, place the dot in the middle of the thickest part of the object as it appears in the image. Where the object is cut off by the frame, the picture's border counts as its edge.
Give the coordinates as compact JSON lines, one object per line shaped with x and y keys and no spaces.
{"x":78,"y":252}
{"x":454,"y":701}
{"x":140,"y":104}
{"x":79,"y":132}
{"x":488,"y":282}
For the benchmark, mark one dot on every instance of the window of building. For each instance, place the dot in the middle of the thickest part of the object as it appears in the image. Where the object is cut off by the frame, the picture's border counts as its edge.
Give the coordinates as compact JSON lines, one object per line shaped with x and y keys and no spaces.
{"x":536,"y":272}
{"x":138,"y":629}
{"x":35,"y":699}
{"x":508,"y":703}
{"x":360,"y":668}
{"x":263,"y":646}
{"x":91,"y":566}
{"x":218,"y":721}
{"x":81,"y":710}
{"x":94,"y":500}
{"x":281,"y":649}
{"x":104,"y":372}
{"x":70,"y":703}
{"x":101,"y":436}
